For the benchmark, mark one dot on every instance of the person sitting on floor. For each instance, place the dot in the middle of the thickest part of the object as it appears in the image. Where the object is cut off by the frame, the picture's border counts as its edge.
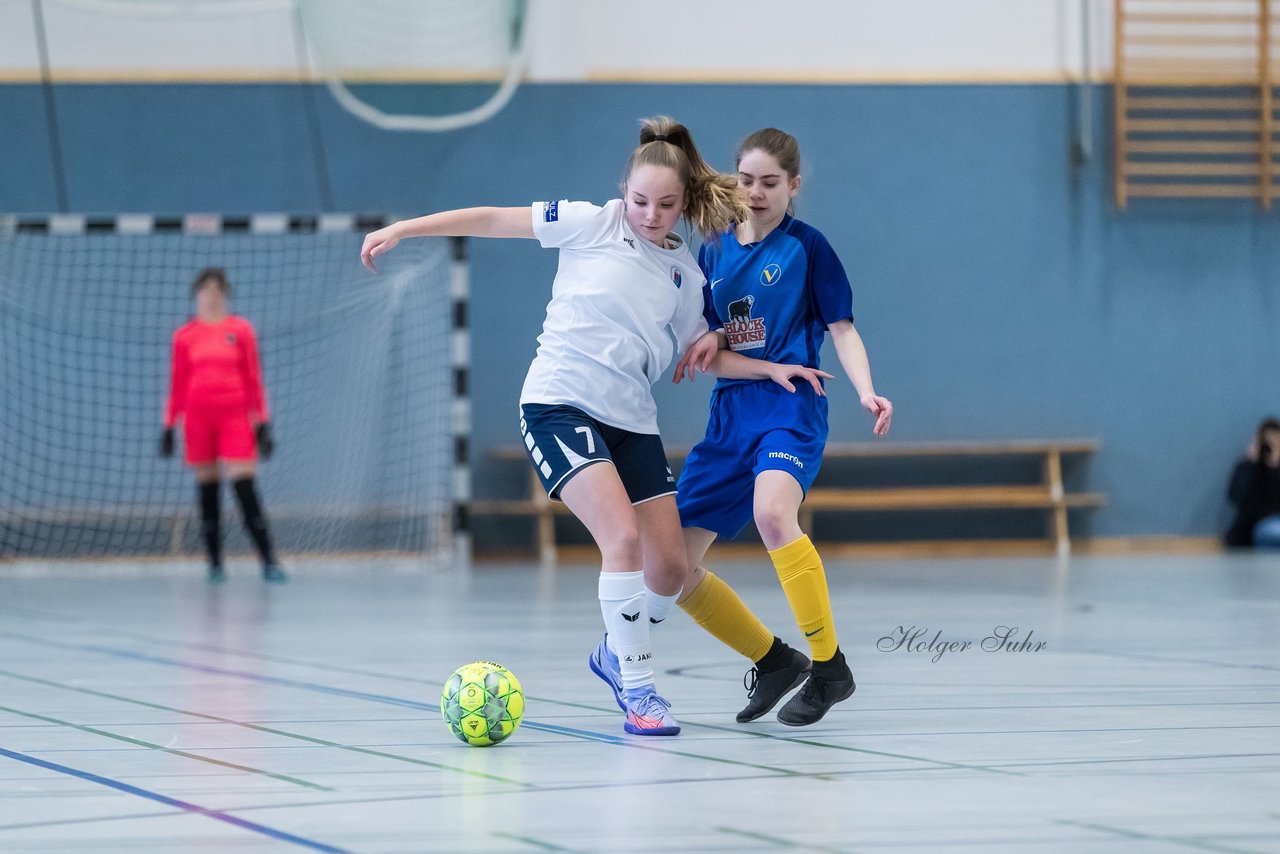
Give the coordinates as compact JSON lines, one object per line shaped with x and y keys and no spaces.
{"x":1255,"y":491}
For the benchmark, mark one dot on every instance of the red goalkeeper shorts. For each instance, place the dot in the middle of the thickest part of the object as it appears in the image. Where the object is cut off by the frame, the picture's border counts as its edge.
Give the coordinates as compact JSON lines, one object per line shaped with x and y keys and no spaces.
{"x":213,"y":433}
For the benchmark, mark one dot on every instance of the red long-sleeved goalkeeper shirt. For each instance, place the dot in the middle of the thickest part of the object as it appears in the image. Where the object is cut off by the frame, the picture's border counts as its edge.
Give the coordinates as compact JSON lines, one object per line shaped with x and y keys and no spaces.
{"x":216,"y":364}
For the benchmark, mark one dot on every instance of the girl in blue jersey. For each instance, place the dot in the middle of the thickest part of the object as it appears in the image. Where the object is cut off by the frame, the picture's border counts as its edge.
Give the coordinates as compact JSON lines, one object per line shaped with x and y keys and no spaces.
{"x":775,"y":288}
{"x":628,"y":295}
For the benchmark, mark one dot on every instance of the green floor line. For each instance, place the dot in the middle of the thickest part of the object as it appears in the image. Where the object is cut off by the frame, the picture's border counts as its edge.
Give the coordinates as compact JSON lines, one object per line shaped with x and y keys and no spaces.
{"x":785,"y":843}
{"x":183,"y":753}
{"x":791,"y":739}
{"x":355,"y":671}
{"x":1148,"y":837}
{"x":787,"y":772}
{"x":536,"y":843}
{"x":266,"y":729}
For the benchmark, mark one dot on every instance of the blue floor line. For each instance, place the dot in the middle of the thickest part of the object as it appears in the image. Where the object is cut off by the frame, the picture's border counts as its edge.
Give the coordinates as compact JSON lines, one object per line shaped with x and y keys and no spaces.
{"x":217,"y":815}
{"x":339,"y":692}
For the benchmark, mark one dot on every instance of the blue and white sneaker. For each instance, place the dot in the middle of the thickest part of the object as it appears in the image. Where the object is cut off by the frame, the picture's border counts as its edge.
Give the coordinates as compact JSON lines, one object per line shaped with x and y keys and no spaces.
{"x":604,"y":663}
{"x":648,"y":714}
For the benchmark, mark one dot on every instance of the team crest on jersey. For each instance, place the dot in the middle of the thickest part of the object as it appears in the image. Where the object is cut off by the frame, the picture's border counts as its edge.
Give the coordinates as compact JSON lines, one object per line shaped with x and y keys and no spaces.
{"x":231,"y":338}
{"x":550,"y":211}
{"x":770,"y":274}
{"x":744,"y":331}
{"x":676,"y":277}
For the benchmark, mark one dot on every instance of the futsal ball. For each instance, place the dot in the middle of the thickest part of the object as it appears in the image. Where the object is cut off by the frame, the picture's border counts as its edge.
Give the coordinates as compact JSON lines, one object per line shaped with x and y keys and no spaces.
{"x":482,"y":703}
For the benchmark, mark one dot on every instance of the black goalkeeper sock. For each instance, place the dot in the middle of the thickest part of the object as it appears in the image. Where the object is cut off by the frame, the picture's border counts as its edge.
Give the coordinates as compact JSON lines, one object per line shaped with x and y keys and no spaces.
{"x":211,"y":519}
{"x":254,"y":521}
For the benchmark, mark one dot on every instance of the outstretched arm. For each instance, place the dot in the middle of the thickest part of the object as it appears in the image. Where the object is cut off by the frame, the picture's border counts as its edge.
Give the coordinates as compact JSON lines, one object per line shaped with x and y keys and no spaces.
{"x":853,"y":358}
{"x":467,"y":222}
{"x":735,"y":366}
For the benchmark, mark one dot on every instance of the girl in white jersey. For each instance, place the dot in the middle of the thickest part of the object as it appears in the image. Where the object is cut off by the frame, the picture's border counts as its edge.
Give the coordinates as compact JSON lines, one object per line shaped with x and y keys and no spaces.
{"x":627,"y":299}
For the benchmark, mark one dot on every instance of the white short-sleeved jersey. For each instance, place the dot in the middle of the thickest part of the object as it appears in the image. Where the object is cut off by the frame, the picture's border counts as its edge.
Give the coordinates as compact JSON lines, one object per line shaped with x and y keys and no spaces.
{"x":621,"y":309}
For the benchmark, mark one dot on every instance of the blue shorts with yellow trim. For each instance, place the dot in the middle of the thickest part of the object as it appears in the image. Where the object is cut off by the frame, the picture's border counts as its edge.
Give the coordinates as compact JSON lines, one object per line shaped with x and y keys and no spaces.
{"x":754,"y":427}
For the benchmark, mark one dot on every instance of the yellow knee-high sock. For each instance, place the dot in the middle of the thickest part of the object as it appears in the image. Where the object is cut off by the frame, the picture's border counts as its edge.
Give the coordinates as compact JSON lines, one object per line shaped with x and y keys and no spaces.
{"x":714,"y":606}
{"x":805,"y":583}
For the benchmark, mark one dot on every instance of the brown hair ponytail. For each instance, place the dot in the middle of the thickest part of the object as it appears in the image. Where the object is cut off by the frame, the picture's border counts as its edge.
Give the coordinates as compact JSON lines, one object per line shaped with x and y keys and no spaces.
{"x":712,"y":200}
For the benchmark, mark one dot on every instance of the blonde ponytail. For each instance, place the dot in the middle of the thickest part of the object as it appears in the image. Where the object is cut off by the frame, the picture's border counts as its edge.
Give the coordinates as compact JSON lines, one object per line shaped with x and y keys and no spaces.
{"x":712,"y":200}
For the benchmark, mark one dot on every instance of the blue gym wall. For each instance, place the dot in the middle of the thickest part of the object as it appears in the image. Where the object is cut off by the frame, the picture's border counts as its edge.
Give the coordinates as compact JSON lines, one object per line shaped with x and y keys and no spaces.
{"x":999,"y":291}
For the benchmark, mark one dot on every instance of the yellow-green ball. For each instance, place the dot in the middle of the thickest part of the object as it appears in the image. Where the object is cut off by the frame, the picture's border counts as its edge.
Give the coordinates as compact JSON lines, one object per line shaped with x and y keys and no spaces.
{"x":482,"y":703}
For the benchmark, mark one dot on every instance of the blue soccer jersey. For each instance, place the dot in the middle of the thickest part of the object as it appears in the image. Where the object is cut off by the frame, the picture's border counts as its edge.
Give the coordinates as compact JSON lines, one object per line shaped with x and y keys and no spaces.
{"x":775,"y":299}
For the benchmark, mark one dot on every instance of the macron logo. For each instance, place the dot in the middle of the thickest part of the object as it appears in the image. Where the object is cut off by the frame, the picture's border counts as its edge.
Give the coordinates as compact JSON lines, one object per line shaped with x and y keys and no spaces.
{"x":781,"y":455}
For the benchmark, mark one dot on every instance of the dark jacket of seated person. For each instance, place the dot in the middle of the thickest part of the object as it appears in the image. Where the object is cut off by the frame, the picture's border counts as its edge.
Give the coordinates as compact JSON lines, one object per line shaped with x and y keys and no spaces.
{"x":1255,"y":485}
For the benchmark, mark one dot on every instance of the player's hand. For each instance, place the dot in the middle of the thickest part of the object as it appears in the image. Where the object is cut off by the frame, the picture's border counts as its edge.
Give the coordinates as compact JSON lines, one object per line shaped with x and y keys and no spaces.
{"x":882,"y":409}
{"x":266,"y":442}
{"x":784,"y":374}
{"x":378,"y":243}
{"x":166,"y":443}
{"x":699,"y":356}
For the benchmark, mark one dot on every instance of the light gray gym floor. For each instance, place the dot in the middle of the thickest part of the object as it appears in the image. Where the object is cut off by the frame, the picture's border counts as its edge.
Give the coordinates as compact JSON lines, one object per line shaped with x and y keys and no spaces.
{"x":143,"y":710}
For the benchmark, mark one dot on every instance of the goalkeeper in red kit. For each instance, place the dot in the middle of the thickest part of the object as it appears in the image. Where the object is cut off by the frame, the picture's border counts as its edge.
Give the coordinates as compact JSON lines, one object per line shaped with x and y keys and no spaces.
{"x":216,"y":391}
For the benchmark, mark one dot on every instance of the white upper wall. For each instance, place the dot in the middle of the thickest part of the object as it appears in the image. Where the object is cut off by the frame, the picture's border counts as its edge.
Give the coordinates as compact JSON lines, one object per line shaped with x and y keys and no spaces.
{"x":569,"y":40}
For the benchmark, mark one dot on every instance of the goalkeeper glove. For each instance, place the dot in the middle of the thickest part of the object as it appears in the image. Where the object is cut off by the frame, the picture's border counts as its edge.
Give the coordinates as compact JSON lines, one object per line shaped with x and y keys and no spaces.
{"x":266,"y":442}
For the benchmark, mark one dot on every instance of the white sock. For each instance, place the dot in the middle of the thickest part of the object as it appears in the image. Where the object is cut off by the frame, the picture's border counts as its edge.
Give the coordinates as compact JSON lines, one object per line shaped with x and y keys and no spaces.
{"x":626,"y":619}
{"x":659,"y":606}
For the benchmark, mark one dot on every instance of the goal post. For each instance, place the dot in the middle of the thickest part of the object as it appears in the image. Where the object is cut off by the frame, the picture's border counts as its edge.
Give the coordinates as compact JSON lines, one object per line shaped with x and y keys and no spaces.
{"x":366,"y":378}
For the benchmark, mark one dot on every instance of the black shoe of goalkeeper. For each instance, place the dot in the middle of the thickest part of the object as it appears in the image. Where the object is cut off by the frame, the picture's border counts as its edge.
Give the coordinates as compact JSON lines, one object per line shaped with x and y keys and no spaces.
{"x":765,"y":687}
{"x":829,"y":683}
{"x":217,"y":574}
{"x":273,"y":573}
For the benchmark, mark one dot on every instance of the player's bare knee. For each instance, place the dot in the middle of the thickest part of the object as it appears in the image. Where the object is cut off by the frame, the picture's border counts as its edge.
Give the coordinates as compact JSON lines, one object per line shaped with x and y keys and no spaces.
{"x":668,"y":575}
{"x":622,"y":547}
{"x":777,"y":526}
{"x":239,"y":471}
{"x":697,"y":575}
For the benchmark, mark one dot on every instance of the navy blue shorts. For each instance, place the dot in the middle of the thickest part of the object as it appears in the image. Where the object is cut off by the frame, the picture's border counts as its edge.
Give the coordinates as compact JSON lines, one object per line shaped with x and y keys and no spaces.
{"x":562,"y":440}
{"x":754,"y":427}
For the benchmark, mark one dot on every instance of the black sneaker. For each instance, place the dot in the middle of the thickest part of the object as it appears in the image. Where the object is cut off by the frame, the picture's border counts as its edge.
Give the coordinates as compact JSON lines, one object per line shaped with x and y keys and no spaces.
{"x":217,"y":574}
{"x":274,"y":574}
{"x":765,"y":687}
{"x":829,"y":683}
